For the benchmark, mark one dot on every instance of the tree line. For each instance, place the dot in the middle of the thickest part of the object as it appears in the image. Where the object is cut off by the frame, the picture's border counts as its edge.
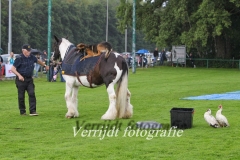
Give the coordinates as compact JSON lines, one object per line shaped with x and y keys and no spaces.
{"x":208,"y":28}
{"x":82,"y":21}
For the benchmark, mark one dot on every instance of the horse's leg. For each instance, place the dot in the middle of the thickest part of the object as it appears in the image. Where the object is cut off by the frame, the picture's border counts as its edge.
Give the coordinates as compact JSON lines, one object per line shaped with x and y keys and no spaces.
{"x":111,"y":113}
{"x":68,"y":98}
{"x":129,"y":108}
{"x":75,"y":100}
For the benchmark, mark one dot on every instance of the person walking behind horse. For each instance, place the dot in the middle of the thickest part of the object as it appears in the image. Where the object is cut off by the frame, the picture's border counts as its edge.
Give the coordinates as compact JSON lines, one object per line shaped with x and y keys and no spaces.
{"x":44,"y":58}
{"x":23,"y":68}
{"x":155,"y":54}
{"x":37,"y":66}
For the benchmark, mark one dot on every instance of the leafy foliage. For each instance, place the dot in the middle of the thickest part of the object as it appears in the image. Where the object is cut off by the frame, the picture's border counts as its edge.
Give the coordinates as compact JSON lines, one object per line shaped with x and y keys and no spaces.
{"x":80,"y":20}
{"x":208,"y":26}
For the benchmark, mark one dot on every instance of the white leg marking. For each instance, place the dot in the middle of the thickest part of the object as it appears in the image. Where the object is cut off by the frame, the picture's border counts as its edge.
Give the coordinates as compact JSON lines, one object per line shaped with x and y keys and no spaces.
{"x":111,"y":113}
{"x":70,"y":97}
{"x":129,"y":108}
{"x":75,"y":100}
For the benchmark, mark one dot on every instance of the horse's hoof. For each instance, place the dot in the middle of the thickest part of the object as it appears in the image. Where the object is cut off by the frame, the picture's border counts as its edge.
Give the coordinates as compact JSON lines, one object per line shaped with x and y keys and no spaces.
{"x":127,"y":116}
{"x":104,"y":117}
{"x":69,"y":117}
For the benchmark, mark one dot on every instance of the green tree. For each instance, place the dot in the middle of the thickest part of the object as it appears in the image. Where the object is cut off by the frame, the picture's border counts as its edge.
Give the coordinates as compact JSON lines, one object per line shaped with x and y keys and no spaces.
{"x":209,"y":26}
{"x":79,"y":20}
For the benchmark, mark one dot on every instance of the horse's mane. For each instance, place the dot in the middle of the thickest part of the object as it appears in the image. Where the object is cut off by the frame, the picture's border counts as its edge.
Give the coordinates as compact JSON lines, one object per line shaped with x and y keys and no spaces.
{"x":66,"y":41}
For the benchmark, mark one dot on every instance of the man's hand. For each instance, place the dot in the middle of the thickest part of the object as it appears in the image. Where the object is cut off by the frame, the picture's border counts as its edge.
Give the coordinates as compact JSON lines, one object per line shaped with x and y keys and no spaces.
{"x":20,"y":77}
{"x":47,"y":68}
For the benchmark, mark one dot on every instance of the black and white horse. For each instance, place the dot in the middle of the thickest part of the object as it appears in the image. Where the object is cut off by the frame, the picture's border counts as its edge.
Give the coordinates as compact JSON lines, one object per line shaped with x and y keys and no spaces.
{"x":93,"y":72}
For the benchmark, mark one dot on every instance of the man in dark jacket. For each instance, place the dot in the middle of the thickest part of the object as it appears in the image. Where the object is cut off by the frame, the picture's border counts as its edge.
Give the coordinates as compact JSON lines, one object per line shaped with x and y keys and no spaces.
{"x":23,"y":68}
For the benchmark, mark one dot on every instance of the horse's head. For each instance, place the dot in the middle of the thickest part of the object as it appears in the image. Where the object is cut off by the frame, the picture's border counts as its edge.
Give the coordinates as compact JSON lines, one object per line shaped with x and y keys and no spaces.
{"x":56,"y":45}
{"x":61,"y":47}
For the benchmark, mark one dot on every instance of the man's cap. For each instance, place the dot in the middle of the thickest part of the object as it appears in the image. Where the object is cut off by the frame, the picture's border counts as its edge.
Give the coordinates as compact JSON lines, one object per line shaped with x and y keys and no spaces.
{"x":27,"y":47}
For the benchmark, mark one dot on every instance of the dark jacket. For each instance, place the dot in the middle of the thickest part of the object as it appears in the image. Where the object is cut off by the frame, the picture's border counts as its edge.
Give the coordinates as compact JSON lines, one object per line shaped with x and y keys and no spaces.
{"x":155,"y":53}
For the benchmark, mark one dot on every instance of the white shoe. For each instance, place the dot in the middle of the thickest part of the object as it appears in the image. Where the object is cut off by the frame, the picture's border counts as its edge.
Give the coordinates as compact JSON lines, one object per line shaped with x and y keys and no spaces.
{"x":33,"y":114}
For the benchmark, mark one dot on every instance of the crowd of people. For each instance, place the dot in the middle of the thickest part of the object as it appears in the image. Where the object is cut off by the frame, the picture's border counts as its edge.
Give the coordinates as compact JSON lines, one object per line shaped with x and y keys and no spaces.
{"x":156,"y":58}
{"x":143,"y":60}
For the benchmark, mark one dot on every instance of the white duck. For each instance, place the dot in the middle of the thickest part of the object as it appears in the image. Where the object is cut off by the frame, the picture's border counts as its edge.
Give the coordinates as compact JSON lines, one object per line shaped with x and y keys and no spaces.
{"x":210,"y":119}
{"x":222,"y":120}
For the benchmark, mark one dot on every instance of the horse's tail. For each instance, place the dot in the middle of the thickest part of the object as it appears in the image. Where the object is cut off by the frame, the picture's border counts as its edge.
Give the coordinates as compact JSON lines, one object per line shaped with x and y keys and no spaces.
{"x":121,"y":93}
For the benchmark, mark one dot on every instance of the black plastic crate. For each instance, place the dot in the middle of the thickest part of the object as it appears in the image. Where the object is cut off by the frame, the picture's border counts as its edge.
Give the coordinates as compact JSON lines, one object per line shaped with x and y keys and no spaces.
{"x":182,"y":117}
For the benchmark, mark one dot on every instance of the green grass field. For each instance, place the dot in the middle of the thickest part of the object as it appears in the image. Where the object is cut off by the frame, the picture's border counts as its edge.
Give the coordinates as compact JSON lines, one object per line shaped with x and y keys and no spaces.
{"x":155,"y":91}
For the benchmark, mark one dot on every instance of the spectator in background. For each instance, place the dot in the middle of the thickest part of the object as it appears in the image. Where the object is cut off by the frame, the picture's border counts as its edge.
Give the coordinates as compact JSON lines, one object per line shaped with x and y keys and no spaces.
{"x":36,"y":66}
{"x":163,"y":57}
{"x":52,"y":64}
{"x":57,"y":68}
{"x":55,"y":72}
{"x":11,"y":58}
{"x":60,"y":65}
{"x":1,"y":61}
{"x":44,"y":56}
{"x":155,"y":54}
{"x":191,"y":57}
